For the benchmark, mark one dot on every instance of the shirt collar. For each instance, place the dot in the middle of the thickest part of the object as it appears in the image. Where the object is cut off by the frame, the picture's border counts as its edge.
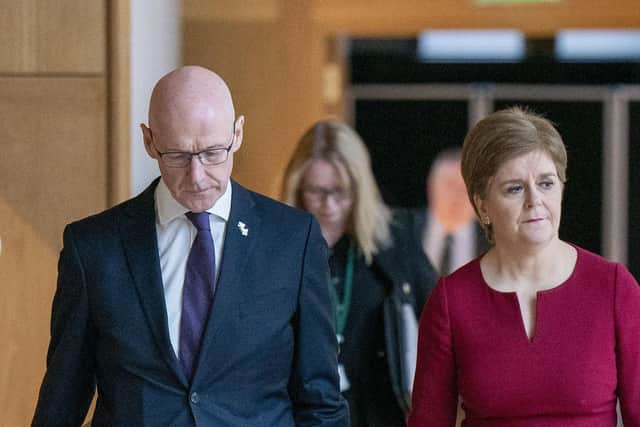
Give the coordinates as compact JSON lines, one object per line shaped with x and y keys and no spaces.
{"x":168,"y":208}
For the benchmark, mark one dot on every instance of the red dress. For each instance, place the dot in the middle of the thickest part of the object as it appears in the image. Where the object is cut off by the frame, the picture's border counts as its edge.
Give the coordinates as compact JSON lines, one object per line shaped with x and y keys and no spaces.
{"x":585,"y":352}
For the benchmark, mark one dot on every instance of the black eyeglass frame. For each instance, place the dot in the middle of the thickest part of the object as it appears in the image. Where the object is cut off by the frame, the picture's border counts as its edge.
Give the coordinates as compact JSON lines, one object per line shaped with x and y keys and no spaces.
{"x":227,"y":149}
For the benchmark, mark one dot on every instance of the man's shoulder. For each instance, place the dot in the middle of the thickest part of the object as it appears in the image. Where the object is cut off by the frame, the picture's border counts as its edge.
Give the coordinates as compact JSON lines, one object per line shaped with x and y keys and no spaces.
{"x":111,"y":217}
{"x":99,"y":221}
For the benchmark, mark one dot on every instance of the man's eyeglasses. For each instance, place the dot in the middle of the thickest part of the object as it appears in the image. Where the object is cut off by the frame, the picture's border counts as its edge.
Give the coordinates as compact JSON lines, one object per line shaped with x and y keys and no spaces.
{"x":208,"y":157}
{"x":321,"y":195}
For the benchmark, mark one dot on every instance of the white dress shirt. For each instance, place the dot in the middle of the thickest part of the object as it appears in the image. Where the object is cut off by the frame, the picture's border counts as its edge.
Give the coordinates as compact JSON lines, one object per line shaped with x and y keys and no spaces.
{"x":175,"y":237}
{"x":463,"y":246}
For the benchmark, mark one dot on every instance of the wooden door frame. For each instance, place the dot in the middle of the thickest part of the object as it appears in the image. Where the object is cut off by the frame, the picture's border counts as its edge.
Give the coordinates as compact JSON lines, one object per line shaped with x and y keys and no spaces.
{"x":119,"y":101}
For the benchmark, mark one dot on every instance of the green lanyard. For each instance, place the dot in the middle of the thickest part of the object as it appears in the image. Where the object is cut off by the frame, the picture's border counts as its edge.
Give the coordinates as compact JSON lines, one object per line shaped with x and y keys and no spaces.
{"x":341,"y":307}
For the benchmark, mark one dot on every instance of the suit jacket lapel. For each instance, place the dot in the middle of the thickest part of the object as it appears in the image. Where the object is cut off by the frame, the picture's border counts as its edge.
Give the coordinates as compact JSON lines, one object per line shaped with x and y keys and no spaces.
{"x":238,"y":246}
{"x":141,"y":247}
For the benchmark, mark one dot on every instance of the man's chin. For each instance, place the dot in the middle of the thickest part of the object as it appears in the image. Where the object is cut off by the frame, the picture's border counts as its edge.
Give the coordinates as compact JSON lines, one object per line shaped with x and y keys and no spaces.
{"x":199,"y":201}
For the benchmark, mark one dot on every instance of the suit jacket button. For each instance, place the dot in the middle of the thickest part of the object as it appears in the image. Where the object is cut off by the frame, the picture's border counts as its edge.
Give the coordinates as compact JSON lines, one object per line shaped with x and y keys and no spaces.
{"x":195,"y":399}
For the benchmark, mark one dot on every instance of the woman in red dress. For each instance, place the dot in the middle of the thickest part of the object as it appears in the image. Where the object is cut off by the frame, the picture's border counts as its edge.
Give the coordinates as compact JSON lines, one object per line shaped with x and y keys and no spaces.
{"x":537,"y":331}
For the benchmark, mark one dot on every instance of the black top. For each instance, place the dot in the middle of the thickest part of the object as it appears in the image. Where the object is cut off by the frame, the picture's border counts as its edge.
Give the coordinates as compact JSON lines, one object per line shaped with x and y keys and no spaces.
{"x":362,"y":353}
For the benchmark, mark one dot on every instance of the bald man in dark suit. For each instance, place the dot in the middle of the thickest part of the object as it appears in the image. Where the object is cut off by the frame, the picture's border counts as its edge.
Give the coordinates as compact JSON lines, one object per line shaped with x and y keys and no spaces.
{"x":198,"y":302}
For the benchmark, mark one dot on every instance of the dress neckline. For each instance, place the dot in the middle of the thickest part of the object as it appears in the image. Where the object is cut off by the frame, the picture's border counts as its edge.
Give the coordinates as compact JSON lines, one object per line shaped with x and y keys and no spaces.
{"x":534,"y":336}
{"x":559,"y":286}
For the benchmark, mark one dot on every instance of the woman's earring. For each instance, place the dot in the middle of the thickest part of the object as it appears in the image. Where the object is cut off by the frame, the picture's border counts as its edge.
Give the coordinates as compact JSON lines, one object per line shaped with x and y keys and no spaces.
{"x":487,"y":220}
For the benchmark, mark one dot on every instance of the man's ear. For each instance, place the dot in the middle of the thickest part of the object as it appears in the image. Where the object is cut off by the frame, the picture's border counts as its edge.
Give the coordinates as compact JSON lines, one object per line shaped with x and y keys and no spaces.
{"x":239,"y":132}
{"x":147,"y":138}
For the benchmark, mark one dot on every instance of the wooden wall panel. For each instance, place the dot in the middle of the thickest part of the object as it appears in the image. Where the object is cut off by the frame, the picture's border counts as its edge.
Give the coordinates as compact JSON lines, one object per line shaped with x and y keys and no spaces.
{"x":16,"y":43}
{"x":27,"y":275}
{"x":273,"y":68}
{"x":71,"y":36}
{"x":119,"y":98}
{"x":52,"y":36}
{"x":53,"y":169}
{"x":234,"y":10}
{"x":64,"y":106}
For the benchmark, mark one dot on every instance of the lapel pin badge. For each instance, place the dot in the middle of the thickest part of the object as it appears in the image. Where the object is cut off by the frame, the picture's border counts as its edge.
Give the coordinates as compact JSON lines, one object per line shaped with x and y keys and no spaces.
{"x":243,"y":228}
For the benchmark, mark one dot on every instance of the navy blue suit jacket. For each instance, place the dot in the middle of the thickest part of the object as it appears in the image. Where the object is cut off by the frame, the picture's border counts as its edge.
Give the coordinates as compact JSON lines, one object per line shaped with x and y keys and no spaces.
{"x":268,"y":357}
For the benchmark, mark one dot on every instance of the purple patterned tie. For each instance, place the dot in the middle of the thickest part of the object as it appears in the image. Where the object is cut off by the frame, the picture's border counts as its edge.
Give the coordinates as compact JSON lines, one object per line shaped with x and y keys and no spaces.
{"x":197,"y":294}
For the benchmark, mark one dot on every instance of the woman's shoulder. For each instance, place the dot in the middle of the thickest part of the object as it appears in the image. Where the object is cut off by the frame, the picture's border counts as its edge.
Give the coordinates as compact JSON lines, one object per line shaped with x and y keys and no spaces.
{"x":466,"y":280}
{"x":468,"y":272}
{"x":590,"y":256}
{"x":603,"y":279}
{"x":590,"y":264}
{"x":594,"y":276}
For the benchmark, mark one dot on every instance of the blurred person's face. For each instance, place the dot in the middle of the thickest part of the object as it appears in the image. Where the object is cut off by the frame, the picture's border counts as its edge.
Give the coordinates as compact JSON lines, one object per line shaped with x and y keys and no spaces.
{"x":523,"y":202}
{"x":447,"y":196}
{"x":324,"y":195}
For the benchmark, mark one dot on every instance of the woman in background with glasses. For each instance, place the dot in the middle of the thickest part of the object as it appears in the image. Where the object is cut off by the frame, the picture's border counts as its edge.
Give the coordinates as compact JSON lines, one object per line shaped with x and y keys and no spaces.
{"x":371,"y":251}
